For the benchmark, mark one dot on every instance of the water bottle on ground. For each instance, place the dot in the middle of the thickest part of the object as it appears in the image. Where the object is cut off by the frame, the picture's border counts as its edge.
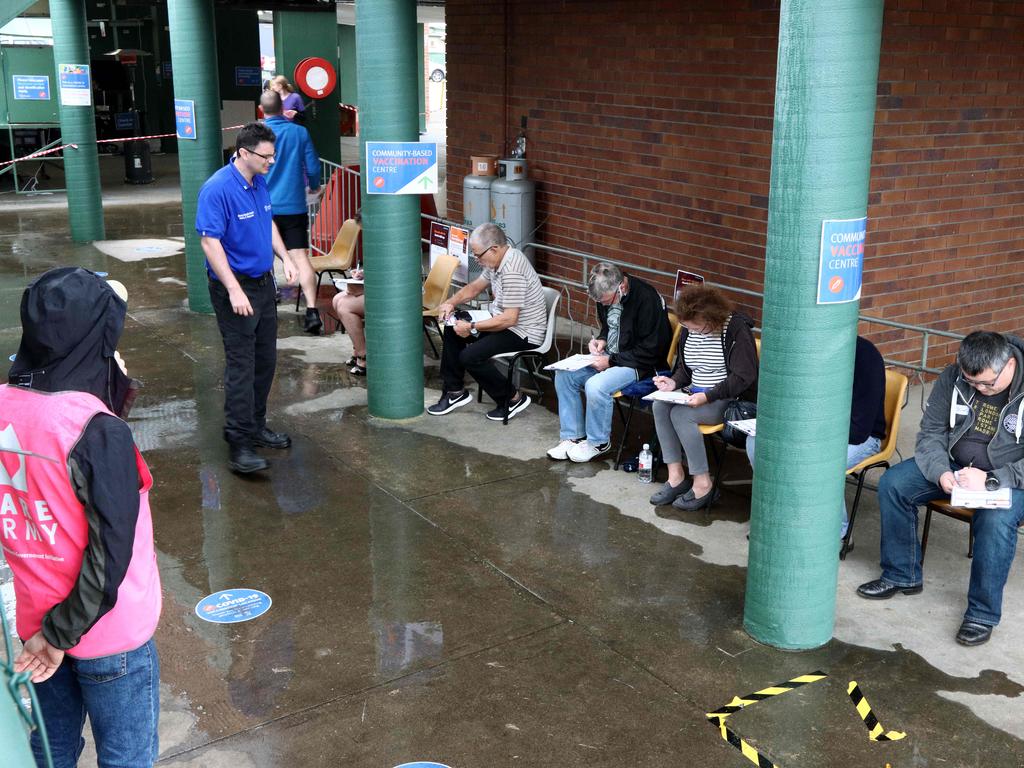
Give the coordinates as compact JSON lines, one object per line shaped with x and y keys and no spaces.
{"x":646,"y":464}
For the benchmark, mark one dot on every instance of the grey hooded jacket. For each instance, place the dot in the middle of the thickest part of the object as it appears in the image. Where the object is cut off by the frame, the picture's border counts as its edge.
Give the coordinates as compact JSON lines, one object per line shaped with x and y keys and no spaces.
{"x":948,"y":416}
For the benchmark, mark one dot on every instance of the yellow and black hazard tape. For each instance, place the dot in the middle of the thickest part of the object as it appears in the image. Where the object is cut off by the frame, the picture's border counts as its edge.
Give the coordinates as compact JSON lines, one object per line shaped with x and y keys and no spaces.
{"x":875,"y":730}
{"x":718,"y":717}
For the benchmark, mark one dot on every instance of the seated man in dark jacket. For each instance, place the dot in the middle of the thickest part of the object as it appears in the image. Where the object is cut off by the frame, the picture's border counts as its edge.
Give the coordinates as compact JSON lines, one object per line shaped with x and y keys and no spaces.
{"x":970,"y":437}
{"x":633,"y":342}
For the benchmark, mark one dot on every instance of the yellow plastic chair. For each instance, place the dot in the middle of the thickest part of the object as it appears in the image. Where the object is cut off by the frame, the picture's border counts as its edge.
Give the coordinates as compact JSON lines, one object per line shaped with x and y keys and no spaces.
{"x":895,"y":396}
{"x":435,"y":292}
{"x":339,"y":258}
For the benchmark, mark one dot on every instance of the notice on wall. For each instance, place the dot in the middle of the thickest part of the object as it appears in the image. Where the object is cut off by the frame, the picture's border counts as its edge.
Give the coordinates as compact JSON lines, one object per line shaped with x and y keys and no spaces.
{"x":454,"y":241}
{"x":685,"y":278}
{"x":248,"y":76}
{"x":401,"y":168}
{"x":841,"y":265}
{"x":75,"y":85}
{"x":31,"y":87}
{"x":185,"y":118}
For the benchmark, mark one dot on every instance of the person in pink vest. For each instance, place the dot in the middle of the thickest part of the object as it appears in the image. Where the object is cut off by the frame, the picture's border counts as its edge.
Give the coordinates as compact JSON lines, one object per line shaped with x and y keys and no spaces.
{"x":75,"y":525}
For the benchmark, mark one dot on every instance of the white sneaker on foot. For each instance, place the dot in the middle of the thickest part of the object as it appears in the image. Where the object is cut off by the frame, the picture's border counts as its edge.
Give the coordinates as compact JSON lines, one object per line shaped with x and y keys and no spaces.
{"x":585,"y":450}
{"x":561,"y":451}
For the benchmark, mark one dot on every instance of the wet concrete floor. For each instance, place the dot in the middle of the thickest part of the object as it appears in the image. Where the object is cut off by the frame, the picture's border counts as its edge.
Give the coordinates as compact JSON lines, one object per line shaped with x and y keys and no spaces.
{"x":441,"y":591}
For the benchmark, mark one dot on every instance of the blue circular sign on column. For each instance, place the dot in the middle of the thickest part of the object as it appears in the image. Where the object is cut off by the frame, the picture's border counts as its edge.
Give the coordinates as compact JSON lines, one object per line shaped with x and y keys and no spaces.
{"x":231,"y":606}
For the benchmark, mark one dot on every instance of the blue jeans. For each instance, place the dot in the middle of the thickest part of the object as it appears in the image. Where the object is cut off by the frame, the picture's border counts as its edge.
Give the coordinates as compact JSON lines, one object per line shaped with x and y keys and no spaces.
{"x":121,"y":696}
{"x":599,"y":388}
{"x":855,"y":454}
{"x":901,"y":490}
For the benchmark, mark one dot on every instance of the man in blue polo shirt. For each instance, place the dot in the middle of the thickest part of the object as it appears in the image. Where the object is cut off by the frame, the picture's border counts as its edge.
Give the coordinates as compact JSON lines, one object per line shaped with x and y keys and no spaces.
{"x":295,"y":164}
{"x":240,"y":239}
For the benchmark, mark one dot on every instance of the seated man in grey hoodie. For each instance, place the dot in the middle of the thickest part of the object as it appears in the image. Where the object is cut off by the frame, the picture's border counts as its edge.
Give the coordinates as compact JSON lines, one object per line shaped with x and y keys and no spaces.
{"x":970,"y":437}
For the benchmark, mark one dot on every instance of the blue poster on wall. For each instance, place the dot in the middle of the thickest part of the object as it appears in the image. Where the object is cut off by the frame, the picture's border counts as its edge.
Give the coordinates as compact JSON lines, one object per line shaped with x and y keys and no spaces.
{"x":185,"y":118}
{"x":248,"y":76}
{"x":841,"y":265}
{"x":401,"y":168}
{"x":32,"y":87}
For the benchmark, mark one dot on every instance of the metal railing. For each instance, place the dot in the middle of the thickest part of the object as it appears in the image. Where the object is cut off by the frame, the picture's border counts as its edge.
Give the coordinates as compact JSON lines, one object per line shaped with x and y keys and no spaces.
{"x":348,"y":180}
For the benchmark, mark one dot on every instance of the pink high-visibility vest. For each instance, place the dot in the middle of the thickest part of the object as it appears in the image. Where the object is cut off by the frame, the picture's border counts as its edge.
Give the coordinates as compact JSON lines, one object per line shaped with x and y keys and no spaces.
{"x":43,"y":527}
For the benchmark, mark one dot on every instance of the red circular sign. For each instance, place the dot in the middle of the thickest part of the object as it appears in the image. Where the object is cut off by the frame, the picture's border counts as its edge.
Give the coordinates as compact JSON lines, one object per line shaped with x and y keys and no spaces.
{"x":315,"y":77}
{"x":378,"y":182}
{"x":835,"y":284}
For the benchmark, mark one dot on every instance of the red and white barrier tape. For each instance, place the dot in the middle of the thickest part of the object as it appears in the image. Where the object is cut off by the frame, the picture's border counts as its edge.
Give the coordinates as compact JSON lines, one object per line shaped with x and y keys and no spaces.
{"x":62,"y":147}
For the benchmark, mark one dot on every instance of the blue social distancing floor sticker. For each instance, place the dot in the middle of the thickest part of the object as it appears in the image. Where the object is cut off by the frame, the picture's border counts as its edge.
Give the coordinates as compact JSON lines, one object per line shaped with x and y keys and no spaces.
{"x":422,"y":764}
{"x":231,"y":606}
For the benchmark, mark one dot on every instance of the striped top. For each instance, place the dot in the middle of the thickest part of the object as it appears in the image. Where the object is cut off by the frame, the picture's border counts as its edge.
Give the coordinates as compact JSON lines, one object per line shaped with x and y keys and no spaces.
{"x":704,"y":355}
{"x":515,"y":285}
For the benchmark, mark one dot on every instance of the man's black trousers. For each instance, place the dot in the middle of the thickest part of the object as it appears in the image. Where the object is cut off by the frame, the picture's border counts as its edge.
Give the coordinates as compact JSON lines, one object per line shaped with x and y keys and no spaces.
{"x":460,"y":355}
{"x":250,"y":356}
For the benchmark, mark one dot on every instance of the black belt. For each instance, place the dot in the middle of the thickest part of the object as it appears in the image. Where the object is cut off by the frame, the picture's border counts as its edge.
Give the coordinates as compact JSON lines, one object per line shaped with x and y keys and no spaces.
{"x":263,"y":279}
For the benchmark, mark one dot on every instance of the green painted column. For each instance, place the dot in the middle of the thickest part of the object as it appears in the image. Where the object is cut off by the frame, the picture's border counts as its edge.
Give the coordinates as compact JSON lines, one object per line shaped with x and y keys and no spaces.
{"x":821,"y":161}
{"x":388,"y":111}
{"x":77,"y":126}
{"x":194,"y":61}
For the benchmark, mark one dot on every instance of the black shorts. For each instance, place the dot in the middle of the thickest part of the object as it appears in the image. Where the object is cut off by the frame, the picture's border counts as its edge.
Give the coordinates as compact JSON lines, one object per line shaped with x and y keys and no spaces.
{"x":294,"y":229}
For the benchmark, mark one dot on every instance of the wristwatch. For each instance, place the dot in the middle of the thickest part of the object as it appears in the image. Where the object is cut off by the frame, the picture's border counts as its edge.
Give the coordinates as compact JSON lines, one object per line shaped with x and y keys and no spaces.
{"x":991,"y":482}
{"x":473,"y":330}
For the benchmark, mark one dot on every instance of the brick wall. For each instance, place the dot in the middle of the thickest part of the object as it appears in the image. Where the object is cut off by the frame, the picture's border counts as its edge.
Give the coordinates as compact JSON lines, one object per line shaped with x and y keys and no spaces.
{"x":650,"y":141}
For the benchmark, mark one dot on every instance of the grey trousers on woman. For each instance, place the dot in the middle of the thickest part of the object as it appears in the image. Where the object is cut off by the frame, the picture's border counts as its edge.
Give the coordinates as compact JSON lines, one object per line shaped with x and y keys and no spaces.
{"x":678,"y":432}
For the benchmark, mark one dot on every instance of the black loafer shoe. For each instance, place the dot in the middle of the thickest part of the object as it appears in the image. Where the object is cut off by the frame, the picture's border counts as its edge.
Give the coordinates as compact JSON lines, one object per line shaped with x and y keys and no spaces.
{"x":879,"y":589}
{"x":243,"y":460}
{"x":669,"y":493}
{"x":688,"y":502}
{"x":267,"y":438}
{"x":312,"y":323}
{"x":973,"y":633}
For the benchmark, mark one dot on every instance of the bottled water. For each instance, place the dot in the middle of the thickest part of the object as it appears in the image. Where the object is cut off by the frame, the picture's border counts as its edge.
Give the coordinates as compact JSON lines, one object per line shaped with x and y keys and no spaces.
{"x":646,"y":464}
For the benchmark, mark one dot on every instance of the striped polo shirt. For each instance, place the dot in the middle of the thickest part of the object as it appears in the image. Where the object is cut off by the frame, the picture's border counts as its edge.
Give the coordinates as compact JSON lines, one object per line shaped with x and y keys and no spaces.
{"x":704,"y":355}
{"x":515,"y":285}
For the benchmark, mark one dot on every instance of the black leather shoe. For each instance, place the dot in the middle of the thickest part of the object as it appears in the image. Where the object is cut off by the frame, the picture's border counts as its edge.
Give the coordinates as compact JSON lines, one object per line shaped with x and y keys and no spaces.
{"x":267,"y":438}
{"x":973,"y":633}
{"x":243,"y":460}
{"x":690,"y":503}
{"x":879,"y":589}
{"x":312,"y":323}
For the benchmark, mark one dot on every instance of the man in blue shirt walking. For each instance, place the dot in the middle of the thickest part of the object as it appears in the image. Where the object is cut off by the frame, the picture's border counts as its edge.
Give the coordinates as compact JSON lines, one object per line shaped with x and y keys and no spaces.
{"x":239,"y":238}
{"x":295,"y":162}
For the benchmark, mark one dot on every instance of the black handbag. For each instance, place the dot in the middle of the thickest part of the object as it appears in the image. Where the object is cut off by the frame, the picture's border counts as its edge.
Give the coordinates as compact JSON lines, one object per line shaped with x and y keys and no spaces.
{"x":737,"y":410}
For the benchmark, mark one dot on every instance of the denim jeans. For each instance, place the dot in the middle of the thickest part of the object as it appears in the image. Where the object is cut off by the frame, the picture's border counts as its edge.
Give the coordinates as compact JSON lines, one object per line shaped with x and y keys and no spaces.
{"x":599,"y":388}
{"x":855,"y":454}
{"x":901,"y":490}
{"x":121,"y":696}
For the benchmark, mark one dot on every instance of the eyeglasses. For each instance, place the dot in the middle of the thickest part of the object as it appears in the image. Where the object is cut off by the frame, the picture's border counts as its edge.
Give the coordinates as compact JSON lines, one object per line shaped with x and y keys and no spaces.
{"x":268,"y":158}
{"x":985,"y":384}
{"x":483,"y":253}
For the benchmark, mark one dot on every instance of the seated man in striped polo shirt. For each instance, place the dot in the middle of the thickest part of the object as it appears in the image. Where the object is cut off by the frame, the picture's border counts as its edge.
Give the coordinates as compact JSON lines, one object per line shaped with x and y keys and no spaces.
{"x":518,"y":322}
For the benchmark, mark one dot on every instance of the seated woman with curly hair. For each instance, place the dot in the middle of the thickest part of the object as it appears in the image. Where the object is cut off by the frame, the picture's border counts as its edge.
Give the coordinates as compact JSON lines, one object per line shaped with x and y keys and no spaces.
{"x":716,"y":363}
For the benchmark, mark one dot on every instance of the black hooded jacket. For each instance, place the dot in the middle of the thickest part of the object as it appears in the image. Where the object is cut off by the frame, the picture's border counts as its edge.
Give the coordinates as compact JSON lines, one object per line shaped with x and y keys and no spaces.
{"x":71,"y":322}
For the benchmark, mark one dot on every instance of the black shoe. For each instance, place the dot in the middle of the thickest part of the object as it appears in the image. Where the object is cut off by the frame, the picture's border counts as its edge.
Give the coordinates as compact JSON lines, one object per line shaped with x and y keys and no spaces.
{"x":879,"y":589}
{"x":669,"y":493}
{"x":973,"y":633}
{"x":690,"y":503}
{"x":514,"y":407}
{"x":449,"y":402}
{"x":312,"y":322}
{"x":243,"y":460}
{"x":267,"y":438}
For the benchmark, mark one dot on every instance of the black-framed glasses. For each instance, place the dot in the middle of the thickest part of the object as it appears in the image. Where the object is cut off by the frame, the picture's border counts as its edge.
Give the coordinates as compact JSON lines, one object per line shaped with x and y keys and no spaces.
{"x":483,"y":253}
{"x":986,"y":384}
{"x":269,"y":158}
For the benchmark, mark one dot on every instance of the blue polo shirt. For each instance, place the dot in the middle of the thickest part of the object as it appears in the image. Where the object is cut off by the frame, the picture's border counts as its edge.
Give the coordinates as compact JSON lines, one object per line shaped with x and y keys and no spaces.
{"x":239,"y":215}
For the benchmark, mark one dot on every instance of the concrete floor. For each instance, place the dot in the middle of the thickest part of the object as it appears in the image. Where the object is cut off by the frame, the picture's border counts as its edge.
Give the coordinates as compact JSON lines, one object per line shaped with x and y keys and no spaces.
{"x":444,"y":592}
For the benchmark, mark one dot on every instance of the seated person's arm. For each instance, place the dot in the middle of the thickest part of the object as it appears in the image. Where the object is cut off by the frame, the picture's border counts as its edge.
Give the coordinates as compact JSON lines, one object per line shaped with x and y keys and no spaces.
{"x":647,"y":350}
{"x":742,"y":368}
{"x":467,"y":292}
{"x":506,"y":319}
{"x":931,"y":448}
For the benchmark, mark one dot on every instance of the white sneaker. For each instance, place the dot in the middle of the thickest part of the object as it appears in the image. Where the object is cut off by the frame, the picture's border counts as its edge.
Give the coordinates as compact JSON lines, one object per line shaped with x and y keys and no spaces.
{"x":561,"y":451}
{"x":585,"y":450}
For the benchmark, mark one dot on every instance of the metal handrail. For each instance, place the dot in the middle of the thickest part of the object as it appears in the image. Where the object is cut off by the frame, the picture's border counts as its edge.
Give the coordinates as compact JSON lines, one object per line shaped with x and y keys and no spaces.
{"x":567,"y":284}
